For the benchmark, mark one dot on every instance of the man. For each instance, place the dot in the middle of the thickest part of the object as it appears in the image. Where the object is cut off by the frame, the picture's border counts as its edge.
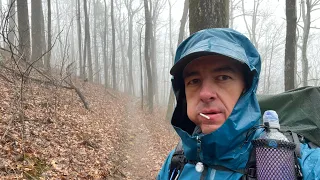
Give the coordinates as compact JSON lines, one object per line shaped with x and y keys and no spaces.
{"x":215,"y":78}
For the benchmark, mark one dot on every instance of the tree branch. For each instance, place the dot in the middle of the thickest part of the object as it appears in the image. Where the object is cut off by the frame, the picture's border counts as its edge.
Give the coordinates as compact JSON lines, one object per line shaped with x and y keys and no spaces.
{"x":70,"y":83}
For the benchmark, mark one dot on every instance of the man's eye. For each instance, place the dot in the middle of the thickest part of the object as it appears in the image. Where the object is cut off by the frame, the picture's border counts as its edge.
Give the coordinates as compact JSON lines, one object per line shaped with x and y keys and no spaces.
{"x":223,"y":77}
{"x":194,"y":81}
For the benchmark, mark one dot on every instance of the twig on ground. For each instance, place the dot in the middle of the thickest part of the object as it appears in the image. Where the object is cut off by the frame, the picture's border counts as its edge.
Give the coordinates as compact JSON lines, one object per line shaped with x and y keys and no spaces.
{"x":111,"y":94}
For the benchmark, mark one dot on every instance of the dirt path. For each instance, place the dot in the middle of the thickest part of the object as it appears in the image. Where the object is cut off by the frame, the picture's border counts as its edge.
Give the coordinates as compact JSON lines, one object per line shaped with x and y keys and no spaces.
{"x":145,"y":143}
{"x":138,"y":146}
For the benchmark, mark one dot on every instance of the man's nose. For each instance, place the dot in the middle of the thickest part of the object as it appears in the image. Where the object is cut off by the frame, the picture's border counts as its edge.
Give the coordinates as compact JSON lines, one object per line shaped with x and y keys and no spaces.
{"x":207,"y":92}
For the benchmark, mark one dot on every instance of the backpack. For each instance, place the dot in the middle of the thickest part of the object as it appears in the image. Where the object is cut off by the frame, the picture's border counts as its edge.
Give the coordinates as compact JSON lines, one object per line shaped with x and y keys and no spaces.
{"x":299,"y":121}
{"x":298,"y":111}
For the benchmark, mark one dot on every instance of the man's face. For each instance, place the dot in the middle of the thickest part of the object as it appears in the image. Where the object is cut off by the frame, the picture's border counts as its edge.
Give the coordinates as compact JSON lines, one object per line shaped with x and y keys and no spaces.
{"x":213,"y":85}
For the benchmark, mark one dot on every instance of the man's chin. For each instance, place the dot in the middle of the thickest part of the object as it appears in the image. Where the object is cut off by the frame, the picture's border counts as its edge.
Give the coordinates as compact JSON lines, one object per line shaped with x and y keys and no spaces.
{"x":207,"y":129}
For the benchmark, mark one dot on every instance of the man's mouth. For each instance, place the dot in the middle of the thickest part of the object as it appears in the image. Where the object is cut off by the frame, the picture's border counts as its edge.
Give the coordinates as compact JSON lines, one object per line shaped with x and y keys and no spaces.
{"x":205,"y":116}
{"x":209,"y":114}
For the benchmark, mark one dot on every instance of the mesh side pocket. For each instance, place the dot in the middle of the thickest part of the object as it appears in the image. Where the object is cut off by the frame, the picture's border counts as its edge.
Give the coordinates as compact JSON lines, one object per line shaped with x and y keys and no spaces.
{"x":274,"y":159}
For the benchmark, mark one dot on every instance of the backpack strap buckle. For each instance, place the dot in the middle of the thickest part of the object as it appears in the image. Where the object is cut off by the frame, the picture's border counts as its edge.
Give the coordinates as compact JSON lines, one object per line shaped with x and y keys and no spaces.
{"x":178,"y":161}
{"x":251,"y":172}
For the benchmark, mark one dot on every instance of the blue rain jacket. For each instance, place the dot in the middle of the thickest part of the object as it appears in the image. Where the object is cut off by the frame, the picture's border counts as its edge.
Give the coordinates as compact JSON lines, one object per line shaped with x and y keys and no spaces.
{"x":229,"y":145}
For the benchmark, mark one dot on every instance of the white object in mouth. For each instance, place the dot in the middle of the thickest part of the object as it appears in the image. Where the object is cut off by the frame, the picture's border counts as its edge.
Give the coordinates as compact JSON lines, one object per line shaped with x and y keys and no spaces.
{"x":205,"y":116}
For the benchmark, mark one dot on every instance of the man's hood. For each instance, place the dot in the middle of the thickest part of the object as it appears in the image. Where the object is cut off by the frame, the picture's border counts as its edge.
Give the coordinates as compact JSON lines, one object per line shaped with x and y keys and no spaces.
{"x":229,"y":145}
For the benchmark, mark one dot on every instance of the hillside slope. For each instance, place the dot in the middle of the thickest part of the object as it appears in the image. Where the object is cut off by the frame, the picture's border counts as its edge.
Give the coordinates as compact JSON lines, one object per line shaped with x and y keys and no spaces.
{"x":48,"y":134}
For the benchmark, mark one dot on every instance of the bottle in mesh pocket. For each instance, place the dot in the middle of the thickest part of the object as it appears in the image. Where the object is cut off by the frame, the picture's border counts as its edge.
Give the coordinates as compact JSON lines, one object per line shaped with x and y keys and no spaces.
{"x":274,"y":159}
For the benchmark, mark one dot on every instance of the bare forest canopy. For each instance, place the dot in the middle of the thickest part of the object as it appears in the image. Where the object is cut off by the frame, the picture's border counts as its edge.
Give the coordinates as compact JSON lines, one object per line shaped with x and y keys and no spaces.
{"x":103,"y":41}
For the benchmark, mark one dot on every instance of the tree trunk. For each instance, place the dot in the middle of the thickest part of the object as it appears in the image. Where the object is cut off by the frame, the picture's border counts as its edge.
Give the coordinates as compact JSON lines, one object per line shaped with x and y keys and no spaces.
{"x":306,"y":30}
{"x":274,"y":39}
{"x":123,"y":57}
{"x":290,"y":48}
{"x":59,"y":30}
{"x":37,"y":25}
{"x":88,"y":41}
{"x":183,"y":22}
{"x":231,"y":13}
{"x":129,"y":52}
{"x":147,"y":55}
{"x":48,"y":57}
{"x":265,"y":77}
{"x":79,"y":40}
{"x":1,"y":17}
{"x":131,"y":14}
{"x":155,"y":10}
{"x":165,"y":93}
{"x":43,"y":35}
{"x":114,"y":79}
{"x":208,"y":14}
{"x":72,"y":43}
{"x":11,"y":30}
{"x":85,"y":58}
{"x":141,"y":70}
{"x":24,"y":29}
{"x":96,"y":50}
{"x":153,"y":59}
{"x":105,"y":48}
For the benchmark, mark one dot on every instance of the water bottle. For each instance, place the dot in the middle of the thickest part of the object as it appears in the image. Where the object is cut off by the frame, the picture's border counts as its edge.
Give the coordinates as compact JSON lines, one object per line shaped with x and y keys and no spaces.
{"x":274,"y":152}
{"x":271,"y":119}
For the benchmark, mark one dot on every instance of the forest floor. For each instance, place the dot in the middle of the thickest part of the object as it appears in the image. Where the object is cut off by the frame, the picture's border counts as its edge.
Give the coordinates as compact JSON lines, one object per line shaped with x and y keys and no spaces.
{"x":47,"y":133}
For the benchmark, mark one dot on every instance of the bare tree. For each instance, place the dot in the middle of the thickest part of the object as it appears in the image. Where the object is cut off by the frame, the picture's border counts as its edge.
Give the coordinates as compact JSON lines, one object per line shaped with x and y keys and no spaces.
{"x":156,"y":7}
{"x":208,"y":14}
{"x":233,"y":5}
{"x":269,"y":51}
{"x":306,"y":17}
{"x":12,"y":15}
{"x":183,"y":22}
{"x":148,"y":30}
{"x":1,"y":15}
{"x":96,"y":50}
{"x":114,"y":78}
{"x":290,"y":51}
{"x":307,"y":6}
{"x":1,"y":12}
{"x":59,"y":30}
{"x":141,"y":70}
{"x":122,"y":38}
{"x":81,"y":66}
{"x":36,"y":9}
{"x":88,"y":41}
{"x":48,"y":56}
{"x":252,"y":29}
{"x":72,"y":38}
{"x":43,"y":35}
{"x":105,"y":45}
{"x":131,"y":14}
{"x":24,"y":29}
{"x":255,"y":20}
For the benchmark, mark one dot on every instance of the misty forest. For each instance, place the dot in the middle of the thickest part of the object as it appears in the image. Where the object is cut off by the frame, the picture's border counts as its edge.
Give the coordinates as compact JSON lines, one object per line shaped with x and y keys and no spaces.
{"x":85,"y":84}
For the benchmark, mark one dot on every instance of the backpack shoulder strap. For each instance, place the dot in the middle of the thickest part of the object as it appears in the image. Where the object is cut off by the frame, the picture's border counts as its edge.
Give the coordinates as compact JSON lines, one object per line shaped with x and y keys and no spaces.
{"x":296,"y":139}
{"x":178,"y":161}
{"x":251,"y":170}
{"x":293,"y":137}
